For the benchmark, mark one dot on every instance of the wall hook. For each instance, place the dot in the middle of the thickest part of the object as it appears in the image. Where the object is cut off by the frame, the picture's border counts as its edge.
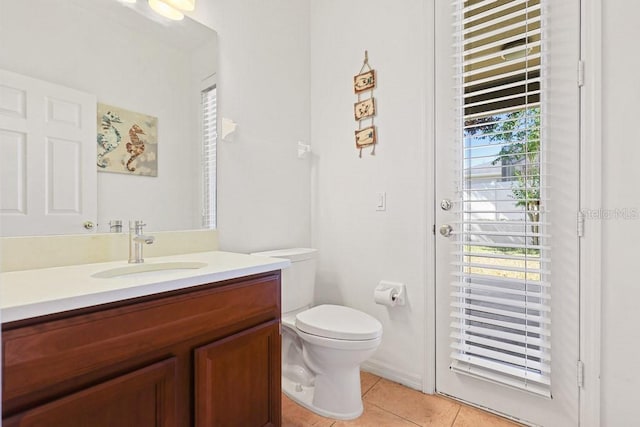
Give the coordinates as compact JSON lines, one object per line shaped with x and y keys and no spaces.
{"x":303,"y":149}
{"x":227,"y":128}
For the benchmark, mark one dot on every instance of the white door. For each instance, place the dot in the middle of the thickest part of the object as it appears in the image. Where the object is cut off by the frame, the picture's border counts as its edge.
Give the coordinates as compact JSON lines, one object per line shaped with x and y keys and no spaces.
{"x":47,"y":157}
{"x":507,"y":145}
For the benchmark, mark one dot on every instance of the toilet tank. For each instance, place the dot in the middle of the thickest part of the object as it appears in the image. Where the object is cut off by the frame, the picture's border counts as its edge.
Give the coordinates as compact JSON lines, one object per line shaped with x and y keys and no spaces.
{"x":298,"y":281}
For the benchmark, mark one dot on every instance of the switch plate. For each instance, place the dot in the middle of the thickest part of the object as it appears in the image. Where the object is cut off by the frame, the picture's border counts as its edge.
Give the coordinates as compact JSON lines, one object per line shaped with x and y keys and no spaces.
{"x":381,"y":201}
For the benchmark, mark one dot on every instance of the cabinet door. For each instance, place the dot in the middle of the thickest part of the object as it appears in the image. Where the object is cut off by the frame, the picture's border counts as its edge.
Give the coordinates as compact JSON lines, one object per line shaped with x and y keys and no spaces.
{"x":143,"y":398}
{"x":237,"y":379}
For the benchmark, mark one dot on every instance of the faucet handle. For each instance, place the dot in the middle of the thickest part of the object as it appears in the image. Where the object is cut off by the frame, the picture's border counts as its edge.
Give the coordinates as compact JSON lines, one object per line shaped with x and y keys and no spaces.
{"x":115,"y":226}
{"x":136,"y":225}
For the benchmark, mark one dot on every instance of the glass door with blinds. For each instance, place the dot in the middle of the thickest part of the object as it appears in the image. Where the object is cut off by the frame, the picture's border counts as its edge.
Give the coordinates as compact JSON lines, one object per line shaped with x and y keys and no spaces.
{"x":507,"y":141}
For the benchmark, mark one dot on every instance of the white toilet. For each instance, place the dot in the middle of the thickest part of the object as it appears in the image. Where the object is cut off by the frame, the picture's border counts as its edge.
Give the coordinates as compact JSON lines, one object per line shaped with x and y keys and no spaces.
{"x":322,"y":346}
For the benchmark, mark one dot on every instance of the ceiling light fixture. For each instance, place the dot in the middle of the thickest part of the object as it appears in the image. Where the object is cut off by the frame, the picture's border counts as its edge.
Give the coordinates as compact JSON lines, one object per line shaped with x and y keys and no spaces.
{"x":186,"y":5}
{"x":165,"y":10}
{"x":171,"y":9}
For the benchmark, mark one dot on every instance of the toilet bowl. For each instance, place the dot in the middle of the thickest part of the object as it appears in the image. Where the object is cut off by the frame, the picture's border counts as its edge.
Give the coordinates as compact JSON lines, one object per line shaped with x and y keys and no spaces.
{"x":322,"y":346}
{"x":334,"y":341}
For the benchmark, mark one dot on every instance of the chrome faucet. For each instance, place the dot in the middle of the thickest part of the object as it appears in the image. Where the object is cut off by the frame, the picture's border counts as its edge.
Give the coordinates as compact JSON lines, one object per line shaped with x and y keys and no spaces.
{"x":136,"y":240}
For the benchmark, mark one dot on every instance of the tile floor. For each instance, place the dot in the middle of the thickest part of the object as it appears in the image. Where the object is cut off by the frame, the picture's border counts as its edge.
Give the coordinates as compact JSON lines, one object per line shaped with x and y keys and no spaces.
{"x":388,"y":404}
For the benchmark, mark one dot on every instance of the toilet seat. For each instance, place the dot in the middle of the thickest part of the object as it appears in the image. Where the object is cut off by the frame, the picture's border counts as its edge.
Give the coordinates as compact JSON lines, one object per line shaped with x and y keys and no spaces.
{"x":338,"y":322}
{"x":337,"y":344}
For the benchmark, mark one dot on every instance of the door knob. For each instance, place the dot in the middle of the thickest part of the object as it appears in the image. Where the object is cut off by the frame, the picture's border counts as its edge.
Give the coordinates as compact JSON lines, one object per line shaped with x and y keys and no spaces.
{"x":446,"y":230}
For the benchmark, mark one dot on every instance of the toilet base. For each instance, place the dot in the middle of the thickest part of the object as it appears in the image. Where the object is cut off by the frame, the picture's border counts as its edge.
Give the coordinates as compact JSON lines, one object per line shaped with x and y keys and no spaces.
{"x":303,"y":396}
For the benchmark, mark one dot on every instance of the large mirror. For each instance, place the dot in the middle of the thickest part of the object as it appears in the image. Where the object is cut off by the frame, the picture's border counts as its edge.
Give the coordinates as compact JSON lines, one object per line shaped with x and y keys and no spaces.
{"x":129,"y":57}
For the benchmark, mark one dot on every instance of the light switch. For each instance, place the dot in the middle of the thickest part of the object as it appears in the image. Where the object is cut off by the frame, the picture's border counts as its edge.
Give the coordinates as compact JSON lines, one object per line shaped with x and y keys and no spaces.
{"x":381,"y":201}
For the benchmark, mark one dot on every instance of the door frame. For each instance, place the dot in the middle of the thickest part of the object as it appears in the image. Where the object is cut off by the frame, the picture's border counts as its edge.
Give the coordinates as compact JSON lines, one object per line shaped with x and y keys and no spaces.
{"x":429,"y":381}
{"x":591,"y":198}
{"x":590,"y":181}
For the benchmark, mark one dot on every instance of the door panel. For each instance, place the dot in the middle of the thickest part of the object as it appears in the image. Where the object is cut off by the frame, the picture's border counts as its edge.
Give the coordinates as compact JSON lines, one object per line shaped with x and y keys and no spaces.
{"x":47,"y":157}
{"x":559,"y":122}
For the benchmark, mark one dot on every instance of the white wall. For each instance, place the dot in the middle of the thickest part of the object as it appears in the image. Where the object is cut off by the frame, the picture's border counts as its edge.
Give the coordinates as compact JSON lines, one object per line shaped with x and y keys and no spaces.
{"x":263,"y":85}
{"x":68,"y":44}
{"x":359,"y":246}
{"x":621,"y":237}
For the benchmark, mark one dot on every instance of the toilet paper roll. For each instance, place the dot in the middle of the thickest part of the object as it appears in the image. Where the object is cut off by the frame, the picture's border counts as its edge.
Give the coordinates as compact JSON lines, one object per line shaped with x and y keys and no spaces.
{"x":384,"y":296}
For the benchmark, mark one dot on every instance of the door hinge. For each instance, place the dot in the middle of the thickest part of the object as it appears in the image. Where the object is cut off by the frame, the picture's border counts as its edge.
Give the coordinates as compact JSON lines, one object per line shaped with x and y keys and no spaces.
{"x":580,"y":374}
{"x":580,"y":73}
{"x":580,"y":224}
{"x":434,"y":229}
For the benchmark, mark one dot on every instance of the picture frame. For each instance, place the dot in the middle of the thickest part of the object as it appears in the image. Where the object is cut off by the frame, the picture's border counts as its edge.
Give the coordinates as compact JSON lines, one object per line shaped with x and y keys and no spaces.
{"x":364,"y":109}
{"x":127,"y":141}
{"x":365,"y":137}
{"x":364,"y":81}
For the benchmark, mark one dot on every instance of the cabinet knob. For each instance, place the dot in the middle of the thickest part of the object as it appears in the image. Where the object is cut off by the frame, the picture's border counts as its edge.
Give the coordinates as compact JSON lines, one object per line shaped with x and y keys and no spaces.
{"x":88,"y":225}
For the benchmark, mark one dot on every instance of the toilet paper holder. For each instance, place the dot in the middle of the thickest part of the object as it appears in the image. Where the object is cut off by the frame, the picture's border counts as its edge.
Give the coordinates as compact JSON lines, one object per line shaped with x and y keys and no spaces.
{"x":397,"y":293}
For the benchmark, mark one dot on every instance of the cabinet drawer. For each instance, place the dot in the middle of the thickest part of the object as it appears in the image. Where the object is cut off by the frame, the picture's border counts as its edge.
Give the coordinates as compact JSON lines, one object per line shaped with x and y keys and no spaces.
{"x":57,"y":356}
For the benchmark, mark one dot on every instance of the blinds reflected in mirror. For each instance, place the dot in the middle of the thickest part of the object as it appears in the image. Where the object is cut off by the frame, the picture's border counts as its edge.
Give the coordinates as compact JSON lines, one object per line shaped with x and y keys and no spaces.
{"x":209,"y":151}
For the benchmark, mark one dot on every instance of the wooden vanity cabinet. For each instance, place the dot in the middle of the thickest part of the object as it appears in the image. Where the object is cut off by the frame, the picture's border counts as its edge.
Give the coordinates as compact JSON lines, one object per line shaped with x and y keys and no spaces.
{"x":207,"y":356}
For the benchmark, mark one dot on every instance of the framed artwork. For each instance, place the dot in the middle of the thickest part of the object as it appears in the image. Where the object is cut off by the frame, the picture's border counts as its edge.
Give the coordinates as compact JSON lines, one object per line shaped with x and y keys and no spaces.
{"x":127,"y":141}
{"x":364,"y":81}
{"x":365,"y":137}
{"x":364,"y":109}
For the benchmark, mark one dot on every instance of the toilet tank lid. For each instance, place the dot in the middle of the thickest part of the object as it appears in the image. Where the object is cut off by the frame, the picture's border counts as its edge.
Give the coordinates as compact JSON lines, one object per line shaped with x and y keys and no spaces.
{"x":293,"y":254}
{"x":338,"y":322}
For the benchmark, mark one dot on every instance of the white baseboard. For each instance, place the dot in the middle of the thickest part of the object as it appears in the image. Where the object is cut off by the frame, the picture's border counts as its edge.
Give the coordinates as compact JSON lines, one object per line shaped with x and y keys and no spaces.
{"x":391,"y":373}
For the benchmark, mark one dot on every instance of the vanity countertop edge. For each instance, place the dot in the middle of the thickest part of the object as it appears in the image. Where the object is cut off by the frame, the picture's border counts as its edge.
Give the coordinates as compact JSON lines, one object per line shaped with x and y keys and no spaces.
{"x":31,"y":293}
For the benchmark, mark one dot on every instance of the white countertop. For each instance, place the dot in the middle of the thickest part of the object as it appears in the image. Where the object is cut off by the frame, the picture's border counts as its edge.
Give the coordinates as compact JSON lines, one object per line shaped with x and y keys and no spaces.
{"x":30,"y":293}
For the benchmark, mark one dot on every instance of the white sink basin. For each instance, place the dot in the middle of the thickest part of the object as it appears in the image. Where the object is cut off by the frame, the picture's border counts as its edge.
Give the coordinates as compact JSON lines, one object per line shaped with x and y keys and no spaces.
{"x":144,"y":269}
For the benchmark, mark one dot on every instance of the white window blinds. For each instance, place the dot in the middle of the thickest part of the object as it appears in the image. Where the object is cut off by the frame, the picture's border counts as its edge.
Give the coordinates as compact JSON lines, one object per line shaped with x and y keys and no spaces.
{"x":500,"y":298}
{"x":209,"y":142}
